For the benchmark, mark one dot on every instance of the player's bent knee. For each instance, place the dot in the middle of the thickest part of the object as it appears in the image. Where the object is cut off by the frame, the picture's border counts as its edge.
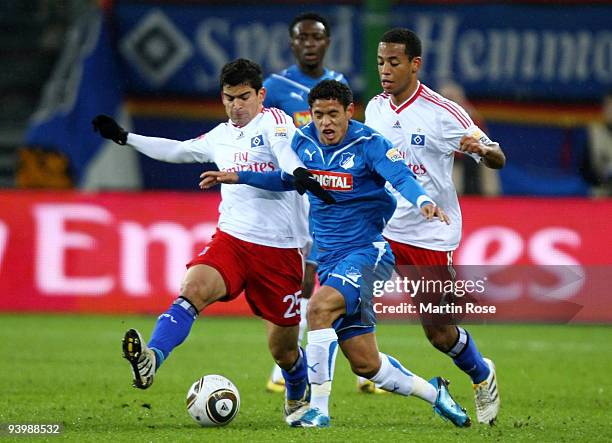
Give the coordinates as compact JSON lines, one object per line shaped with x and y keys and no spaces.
{"x":319,"y":314}
{"x":200,"y":293}
{"x":325,"y":306}
{"x":365,"y":368}
{"x":284,"y":356}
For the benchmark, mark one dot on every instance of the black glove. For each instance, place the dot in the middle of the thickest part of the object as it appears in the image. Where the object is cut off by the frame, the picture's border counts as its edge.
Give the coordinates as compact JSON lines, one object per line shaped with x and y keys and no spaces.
{"x":108,"y":128}
{"x":304,"y":181}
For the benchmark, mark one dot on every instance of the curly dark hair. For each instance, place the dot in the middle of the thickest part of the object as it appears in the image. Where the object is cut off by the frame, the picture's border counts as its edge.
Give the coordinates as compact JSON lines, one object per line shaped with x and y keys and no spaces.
{"x":242,"y":72}
{"x":331,"y":90}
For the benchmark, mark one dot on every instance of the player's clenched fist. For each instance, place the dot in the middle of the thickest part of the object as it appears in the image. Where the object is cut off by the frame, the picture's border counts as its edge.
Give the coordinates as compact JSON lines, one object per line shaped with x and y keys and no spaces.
{"x":303,"y":181}
{"x":473,"y":145}
{"x":430,"y":211}
{"x":108,"y":128}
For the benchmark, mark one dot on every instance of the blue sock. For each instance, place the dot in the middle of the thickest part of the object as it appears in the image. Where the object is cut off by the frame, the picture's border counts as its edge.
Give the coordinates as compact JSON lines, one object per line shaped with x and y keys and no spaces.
{"x":172,"y":328}
{"x":296,"y":378}
{"x":466,"y":356}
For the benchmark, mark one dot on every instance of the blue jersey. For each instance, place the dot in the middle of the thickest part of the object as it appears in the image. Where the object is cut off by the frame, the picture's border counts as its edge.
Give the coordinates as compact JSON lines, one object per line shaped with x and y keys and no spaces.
{"x":354,"y":171}
{"x":352,"y":252}
{"x":289,"y":90}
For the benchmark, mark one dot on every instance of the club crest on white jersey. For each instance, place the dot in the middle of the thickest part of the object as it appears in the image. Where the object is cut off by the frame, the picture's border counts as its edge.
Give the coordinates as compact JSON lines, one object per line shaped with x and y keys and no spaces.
{"x":417,"y":140}
{"x":257,"y":141}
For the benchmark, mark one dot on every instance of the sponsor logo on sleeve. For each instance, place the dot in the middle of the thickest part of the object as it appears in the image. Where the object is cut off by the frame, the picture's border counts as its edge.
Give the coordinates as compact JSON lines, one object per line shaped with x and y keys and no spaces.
{"x":394,"y":155}
{"x":281,"y":131}
{"x":481,"y":137}
{"x":301,"y":118}
{"x":334,"y":181}
{"x":417,"y":139}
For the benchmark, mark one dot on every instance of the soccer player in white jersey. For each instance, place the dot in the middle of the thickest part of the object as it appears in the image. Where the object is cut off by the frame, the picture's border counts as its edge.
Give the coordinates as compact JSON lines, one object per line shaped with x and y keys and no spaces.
{"x":258,"y":232}
{"x":427,"y":128}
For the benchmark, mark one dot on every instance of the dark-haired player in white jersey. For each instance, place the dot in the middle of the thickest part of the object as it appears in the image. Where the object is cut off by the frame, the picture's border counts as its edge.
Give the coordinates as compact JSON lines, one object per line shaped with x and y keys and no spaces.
{"x":258,"y":230}
{"x":427,"y":129}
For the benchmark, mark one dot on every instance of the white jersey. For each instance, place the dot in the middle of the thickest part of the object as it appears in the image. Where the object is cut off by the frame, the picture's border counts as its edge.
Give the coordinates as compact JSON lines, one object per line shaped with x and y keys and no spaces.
{"x":255,"y":215}
{"x":426,"y":130}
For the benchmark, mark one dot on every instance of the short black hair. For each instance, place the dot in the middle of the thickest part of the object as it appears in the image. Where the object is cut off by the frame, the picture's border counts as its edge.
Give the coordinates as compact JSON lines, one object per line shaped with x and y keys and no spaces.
{"x":406,"y":37}
{"x":242,"y":72}
{"x":331,"y":90}
{"x":309,"y":16}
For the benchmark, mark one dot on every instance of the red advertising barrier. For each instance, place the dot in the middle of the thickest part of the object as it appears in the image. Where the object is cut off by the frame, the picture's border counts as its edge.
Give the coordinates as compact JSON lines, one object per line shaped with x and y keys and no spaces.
{"x":125,"y":253}
{"x":107,"y":252}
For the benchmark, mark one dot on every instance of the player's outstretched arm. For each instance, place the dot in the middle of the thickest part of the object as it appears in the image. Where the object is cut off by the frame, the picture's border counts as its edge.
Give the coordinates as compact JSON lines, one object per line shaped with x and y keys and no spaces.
{"x":213,"y":178}
{"x":109,"y":129}
{"x":278,"y":181}
{"x":492,"y":155}
{"x":270,"y":181}
{"x":163,"y":149}
{"x":389,"y":164}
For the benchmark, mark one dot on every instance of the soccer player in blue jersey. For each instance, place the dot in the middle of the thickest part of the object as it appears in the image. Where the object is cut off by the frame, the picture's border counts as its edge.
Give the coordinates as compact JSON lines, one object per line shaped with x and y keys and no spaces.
{"x":288,"y":90}
{"x":352,"y":162}
{"x":309,"y":35}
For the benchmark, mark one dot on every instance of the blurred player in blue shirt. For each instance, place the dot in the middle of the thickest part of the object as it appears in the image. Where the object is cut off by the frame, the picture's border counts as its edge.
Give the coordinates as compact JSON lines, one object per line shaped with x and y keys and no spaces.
{"x":310,"y":37}
{"x":352,"y":162}
{"x":288,"y":90}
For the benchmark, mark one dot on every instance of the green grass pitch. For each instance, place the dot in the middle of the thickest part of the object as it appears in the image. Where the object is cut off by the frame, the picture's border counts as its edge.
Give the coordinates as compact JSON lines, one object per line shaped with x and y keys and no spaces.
{"x":555,"y":384}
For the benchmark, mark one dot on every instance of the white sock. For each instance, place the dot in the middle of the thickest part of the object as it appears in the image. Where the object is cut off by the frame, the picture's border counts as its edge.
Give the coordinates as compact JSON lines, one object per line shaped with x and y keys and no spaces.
{"x":321,"y":353}
{"x":424,"y":390}
{"x":393,"y":377}
{"x":361,"y":380}
{"x":277,"y":375}
{"x":303,"y":321}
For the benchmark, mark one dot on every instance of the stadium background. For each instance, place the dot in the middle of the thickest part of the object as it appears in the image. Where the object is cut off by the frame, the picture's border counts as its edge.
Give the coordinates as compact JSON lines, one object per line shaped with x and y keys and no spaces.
{"x":89,"y":228}
{"x":536,"y":72}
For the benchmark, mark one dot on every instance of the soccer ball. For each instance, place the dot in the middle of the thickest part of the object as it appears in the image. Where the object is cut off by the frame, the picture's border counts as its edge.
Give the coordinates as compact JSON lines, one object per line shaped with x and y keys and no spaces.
{"x":213,"y":400}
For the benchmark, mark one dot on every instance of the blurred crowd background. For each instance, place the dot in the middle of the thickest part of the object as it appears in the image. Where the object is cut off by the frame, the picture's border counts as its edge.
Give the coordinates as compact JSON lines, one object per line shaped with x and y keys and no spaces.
{"x":536,"y":74}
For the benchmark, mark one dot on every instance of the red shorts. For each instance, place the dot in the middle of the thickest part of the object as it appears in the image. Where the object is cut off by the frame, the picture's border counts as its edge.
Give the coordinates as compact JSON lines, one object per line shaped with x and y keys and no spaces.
{"x":434,"y":267}
{"x":408,"y":255}
{"x":271,"y":278}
